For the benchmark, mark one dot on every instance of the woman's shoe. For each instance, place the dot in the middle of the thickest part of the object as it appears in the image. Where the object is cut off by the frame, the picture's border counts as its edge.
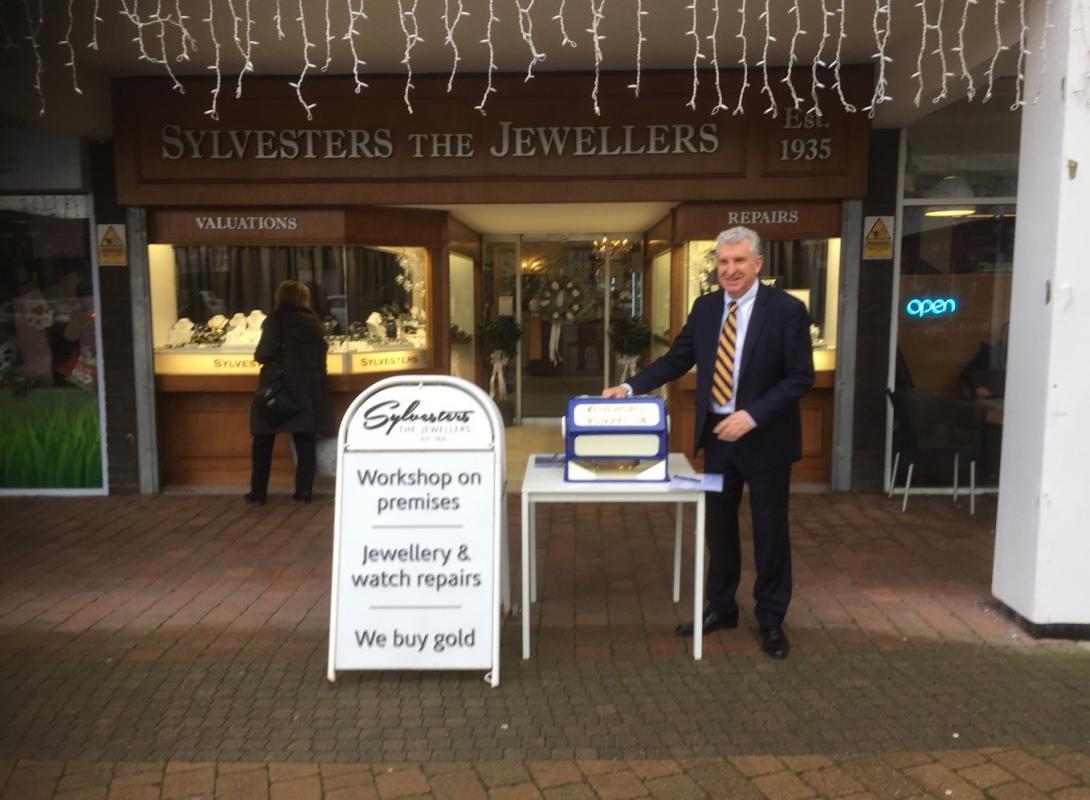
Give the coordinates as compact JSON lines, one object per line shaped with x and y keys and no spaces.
{"x":301,"y":497}
{"x":255,"y":499}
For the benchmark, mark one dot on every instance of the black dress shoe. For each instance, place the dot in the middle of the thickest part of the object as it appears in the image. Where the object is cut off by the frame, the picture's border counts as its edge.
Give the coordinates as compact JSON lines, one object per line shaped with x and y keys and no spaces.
{"x":713,"y":621}
{"x":254,"y":499}
{"x":774,"y":641}
{"x":301,"y":497}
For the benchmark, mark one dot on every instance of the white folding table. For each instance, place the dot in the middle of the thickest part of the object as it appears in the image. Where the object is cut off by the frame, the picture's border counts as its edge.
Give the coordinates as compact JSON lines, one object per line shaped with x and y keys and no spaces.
{"x":544,"y":483}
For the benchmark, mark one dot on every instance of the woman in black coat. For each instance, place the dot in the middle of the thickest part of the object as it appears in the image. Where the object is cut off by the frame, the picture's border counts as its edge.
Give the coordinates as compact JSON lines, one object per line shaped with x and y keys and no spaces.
{"x":291,"y":337}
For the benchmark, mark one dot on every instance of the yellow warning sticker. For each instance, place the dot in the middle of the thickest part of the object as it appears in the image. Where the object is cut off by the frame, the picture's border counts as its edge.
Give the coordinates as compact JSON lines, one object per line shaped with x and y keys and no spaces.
{"x":877,"y":237}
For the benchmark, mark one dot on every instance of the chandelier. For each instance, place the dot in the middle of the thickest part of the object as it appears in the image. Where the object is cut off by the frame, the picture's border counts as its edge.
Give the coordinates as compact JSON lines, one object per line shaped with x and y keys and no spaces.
{"x":613,"y":248}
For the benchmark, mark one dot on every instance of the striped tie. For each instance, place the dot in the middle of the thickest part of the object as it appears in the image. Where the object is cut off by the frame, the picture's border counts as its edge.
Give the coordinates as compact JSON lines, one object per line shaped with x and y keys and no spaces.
{"x":723,"y":379}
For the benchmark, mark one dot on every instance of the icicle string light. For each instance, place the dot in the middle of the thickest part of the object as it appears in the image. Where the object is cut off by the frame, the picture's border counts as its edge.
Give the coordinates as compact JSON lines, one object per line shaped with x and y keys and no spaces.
{"x":925,"y":26}
{"x":1020,"y":80}
{"x":307,"y":46}
{"x":526,"y":29}
{"x":67,"y":42}
{"x":1084,"y":30}
{"x":450,"y":25}
{"x":697,"y":55}
{"x":970,"y":86}
{"x":940,"y":51}
{"x":187,"y":38}
{"x":713,"y":37}
{"x":881,"y":39}
{"x":328,"y":38}
{"x":597,"y":14}
{"x":278,"y":19}
{"x":837,"y":84}
{"x":743,"y":60}
{"x":213,"y":111}
{"x":9,"y":43}
{"x":410,"y":28}
{"x":640,"y":39}
{"x":489,"y":88}
{"x":792,"y":56}
{"x":33,"y":31}
{"x":164,"y":58}
{"x":772,"y":109}
{"x":243,"y":48}
{"x":353,"y":17}
{"x":815,"y":83}
{"x":559,"y":17}
{"x":133,"y":16}
{"x":999,"y":48}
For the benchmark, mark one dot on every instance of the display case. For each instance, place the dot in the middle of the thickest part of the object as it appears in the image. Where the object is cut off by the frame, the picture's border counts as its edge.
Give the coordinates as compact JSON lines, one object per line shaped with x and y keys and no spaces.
{"x":808,"y":269}
{"x":209,"y":303}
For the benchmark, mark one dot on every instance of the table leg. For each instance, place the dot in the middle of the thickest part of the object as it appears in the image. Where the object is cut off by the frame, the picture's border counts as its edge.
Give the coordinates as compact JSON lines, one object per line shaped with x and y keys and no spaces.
{"x":698,"y":583}
{"x":525,"y":576}
{"x":677,"y":551}
{"x":533,"y":552}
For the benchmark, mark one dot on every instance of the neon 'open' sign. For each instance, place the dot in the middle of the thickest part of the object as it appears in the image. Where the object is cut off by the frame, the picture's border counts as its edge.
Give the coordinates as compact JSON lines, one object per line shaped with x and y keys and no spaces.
{"x":921,"y":307}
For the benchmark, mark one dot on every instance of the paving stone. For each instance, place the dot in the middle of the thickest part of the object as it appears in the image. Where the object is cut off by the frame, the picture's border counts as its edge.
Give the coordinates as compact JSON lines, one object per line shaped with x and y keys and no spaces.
{"x":675,"y":787}
{"x":986,"y":775}
{"x":547,"y":774}
{"x":621,"y":785}
{"x":394,"y":783}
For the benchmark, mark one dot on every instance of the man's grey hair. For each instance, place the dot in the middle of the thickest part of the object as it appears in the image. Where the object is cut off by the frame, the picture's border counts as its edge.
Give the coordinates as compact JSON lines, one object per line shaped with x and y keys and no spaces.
{"x":737,"y":235}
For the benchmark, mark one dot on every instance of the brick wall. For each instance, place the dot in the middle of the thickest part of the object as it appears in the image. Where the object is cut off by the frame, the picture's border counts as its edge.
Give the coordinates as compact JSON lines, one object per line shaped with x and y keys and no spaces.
{"x":872,"y":338}
{"x":116,"y":335}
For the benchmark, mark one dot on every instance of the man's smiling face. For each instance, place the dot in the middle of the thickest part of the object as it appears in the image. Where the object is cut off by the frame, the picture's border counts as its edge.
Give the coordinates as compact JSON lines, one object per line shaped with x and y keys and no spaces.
{"x":737,"y":267}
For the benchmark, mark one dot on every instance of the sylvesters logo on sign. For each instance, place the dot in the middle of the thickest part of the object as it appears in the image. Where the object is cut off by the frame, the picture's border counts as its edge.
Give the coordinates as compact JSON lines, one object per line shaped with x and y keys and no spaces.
{"x":415,"y":583}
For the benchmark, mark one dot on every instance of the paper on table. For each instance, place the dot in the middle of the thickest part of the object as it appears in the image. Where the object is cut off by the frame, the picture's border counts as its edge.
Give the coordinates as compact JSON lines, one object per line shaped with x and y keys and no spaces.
{"x":700,"y":480}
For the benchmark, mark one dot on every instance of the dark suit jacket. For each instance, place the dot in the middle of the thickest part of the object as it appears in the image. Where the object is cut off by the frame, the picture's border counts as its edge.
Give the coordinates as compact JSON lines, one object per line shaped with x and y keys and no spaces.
{"x":777,"y":369}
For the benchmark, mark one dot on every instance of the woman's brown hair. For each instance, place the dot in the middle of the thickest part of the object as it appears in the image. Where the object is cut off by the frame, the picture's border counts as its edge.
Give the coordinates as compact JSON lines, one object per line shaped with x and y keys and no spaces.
{"x":293,"y":294}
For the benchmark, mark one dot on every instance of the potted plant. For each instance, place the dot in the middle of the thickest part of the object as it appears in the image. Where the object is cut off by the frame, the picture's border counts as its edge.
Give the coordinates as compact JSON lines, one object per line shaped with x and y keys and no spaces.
{"x":629,"y":337}
{"x":498,"y":339}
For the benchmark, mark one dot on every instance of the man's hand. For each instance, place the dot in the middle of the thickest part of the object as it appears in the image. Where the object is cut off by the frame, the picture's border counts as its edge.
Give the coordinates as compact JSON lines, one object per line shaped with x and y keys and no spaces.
{"x":615,"y":392}
{"x":734,"y":427}
{"x":983,"y":391}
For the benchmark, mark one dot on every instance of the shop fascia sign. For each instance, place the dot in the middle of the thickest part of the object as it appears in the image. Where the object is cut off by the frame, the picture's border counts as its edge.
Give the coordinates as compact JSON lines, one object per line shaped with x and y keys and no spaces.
{"x":508,"y":140}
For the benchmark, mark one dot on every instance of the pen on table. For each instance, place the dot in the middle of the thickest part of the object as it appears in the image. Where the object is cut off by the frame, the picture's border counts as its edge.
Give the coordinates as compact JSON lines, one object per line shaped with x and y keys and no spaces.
{"x":687,"y":478}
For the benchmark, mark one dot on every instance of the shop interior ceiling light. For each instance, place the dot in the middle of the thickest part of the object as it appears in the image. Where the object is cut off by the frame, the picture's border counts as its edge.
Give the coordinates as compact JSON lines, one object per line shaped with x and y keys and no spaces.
{"x":162,"y":26}
{"x":953,"y":188}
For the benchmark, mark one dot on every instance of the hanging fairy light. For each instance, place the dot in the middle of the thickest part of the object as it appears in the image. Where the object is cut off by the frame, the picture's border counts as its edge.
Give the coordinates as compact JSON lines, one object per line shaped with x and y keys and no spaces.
{"x":1045,"y":28}
{"x":743,"y":60}
{"x":640,"y":39}
{"x":353,"y":17}
{"x":597,"y":14}
{"x":411,"y":30}
{"x":34,"y":29}
{"x":328,"y":38}
{"x":713,"y":37}
{"x":1020,"y":79}
{"x":837,"y":83}
{"x":970,"y":86}
{"x":559,"y":17}
{"x":213,"y":111}
{"x":940,"y":51}
{"x":164,"y":57}
{"x":487,"y":40}
{"x":67,"y":42}
{"x":999,"y":48}
{"x":450,"y":25}
{"x":697,"y":55}
{"x":792,"y":56}
{"x":307,"y":47}
{"x":766,"y":15}
{"x":882,"y":8}
{"x":815,"y":84}
{"x":526,"y":29}
{"x":187,"y":38}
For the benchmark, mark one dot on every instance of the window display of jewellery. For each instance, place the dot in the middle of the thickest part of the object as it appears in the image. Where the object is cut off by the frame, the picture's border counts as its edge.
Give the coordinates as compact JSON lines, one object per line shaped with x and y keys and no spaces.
{"x":382,"y":330}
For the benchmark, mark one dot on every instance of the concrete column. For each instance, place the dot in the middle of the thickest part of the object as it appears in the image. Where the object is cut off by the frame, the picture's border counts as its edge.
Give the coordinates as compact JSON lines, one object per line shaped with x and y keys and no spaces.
{"x":1042,"y":548}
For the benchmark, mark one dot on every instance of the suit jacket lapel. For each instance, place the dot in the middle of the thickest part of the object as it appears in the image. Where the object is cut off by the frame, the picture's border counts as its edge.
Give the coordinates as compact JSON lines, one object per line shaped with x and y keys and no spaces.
{"x":753,"y":331}
{"x":710,"y":328}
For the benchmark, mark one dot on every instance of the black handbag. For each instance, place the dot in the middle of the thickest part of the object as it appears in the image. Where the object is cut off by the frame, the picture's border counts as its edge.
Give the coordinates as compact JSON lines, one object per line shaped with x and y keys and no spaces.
{"x":273,"y":401}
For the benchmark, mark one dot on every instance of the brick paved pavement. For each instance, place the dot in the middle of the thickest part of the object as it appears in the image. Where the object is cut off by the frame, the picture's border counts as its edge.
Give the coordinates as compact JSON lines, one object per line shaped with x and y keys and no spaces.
{"x":175,"y":647}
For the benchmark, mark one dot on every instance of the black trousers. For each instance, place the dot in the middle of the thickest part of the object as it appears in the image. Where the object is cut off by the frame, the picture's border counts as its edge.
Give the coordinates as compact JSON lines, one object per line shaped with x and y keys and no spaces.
{"x":261,"y":463}
{"x":769,"y":491}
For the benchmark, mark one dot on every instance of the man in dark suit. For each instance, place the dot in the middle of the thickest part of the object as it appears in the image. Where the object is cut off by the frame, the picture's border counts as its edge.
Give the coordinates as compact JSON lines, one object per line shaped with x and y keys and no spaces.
{"x":751,"y":347}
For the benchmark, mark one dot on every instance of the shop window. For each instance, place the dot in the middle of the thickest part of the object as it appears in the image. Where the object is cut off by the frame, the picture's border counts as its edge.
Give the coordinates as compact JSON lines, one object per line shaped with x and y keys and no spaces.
{"x":209,"y":304}
{"x":50,"y":412}
{"x":952,"y":322}
{"x":808,"y":269}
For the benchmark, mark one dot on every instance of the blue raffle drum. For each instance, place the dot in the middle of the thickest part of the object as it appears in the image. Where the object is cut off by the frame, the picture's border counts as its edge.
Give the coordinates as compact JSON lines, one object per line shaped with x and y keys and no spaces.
{"x":616,"y":440}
